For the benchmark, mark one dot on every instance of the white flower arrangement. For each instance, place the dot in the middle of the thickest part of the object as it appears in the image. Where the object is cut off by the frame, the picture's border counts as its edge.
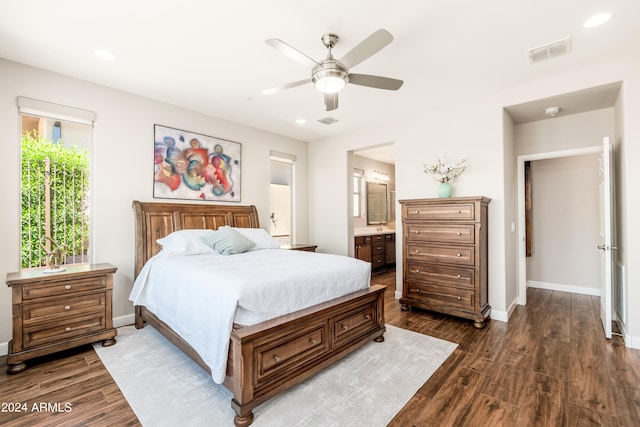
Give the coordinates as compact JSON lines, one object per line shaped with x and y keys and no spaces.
{"x":444,"y":171}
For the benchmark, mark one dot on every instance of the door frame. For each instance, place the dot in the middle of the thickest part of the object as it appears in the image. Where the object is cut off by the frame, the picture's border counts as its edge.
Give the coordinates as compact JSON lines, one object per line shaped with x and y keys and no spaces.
{"x":522,"y":250}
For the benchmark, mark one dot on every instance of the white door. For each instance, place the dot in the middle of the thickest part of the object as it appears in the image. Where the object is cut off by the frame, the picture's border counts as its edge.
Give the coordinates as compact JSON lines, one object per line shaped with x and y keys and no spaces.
{"x":606,"y":234}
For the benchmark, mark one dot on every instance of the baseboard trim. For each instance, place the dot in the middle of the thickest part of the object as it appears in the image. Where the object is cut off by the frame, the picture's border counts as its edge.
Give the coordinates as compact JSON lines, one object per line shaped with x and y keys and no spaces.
{"x":128,"y":319}
{"x":564,"y":288}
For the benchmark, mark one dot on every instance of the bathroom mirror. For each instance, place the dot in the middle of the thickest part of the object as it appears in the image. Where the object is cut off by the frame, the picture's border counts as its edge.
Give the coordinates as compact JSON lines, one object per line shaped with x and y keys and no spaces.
{"x":376,"y":203}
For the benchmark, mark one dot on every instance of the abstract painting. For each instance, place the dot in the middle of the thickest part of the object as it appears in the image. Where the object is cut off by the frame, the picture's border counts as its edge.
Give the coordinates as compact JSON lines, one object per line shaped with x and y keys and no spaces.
{"x":192,"y":166}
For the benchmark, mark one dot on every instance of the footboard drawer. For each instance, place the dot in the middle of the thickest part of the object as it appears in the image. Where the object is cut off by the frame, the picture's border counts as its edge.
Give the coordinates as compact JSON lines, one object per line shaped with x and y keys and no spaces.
{"x":277,"y":356}
{"x":358,"y":321}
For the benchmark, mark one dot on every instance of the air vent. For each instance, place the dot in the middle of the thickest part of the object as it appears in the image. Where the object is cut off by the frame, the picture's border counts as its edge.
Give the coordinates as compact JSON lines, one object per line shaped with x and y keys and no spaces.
{"x":328,"y":120}
{"x":550,"y":50}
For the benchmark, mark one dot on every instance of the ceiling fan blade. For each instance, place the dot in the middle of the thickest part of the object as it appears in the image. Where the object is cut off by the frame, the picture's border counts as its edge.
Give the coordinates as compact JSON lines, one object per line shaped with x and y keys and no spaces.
{"x":285,"y":86}
{"x":367,"y":48}
{"x":375,"y":81}
{"x":291,"y":52}
{"x":331,"y":101}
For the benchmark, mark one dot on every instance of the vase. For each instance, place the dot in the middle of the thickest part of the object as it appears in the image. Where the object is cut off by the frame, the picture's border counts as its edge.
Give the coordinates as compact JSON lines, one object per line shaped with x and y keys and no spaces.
{"x":444,"y":190}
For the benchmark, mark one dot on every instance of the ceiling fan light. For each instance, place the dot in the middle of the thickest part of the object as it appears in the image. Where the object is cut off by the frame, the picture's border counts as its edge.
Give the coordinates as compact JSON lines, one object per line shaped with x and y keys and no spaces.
{"x":330,"y":84}
{"x":330,"y":80}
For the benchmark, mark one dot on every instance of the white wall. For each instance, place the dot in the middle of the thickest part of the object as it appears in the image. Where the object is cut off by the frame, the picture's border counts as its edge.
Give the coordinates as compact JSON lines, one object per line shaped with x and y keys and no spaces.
{"x":471,"y":124}
{"x":123,"y":150}
{"x":565,"y":224}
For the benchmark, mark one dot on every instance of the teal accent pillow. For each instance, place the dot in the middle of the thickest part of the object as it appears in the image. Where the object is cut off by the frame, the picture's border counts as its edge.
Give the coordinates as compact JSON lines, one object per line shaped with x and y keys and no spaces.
{"x":227,"y":241}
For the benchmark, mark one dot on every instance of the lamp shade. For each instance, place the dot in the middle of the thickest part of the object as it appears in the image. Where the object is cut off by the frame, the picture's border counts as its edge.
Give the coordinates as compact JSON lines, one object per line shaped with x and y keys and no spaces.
{"x":330,"y":80}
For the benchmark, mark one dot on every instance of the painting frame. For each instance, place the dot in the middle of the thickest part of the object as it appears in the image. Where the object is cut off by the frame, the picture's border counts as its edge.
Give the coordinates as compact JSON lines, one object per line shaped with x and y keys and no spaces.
{"x":193,"y":166}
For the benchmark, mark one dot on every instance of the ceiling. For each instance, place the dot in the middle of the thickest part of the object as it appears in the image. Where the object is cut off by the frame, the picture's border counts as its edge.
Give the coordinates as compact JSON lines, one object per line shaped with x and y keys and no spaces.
{"x":210,"y":56}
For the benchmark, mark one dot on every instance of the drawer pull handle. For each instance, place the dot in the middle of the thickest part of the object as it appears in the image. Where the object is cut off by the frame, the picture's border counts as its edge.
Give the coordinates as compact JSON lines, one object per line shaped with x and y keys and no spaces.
{"x":312,"y":341}
{"x":459,"y":276}
{"x":67,"y":307}
{"x":459,"y":234}
{"x":67,"y":329}
{"x":417,"y":231}
{"x":415,"y":271}
{"x":367,"y":316}
{"x":67,"y":287}
{"x":458,"y":211}
{"x":416,"y":212}
{"x":417,"y":251}
{"x":345,"y":327}
{"x":458,"y":254}
{"x":459,"y":298}
{"x":417,"y":291}
{"x":276,"y":357}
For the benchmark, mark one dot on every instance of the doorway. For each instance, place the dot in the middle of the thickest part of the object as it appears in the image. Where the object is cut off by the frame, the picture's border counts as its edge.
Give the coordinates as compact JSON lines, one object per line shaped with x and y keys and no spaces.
{"x":281,"y":213}
{"x":552,"y":214}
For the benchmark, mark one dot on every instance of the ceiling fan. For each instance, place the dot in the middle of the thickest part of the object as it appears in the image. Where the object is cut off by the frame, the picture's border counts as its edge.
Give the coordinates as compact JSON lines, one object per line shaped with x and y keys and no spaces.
{"x":330,"y":75}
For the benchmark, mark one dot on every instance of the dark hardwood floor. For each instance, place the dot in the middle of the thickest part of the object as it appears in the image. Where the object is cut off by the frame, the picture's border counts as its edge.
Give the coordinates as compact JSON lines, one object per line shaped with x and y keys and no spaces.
{"x":549,"y":366}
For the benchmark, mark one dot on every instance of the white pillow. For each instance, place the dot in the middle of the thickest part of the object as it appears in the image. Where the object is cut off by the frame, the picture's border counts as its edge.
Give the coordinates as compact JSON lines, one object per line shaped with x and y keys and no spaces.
{"x":260,"y":237}
{"x":186,"y":242}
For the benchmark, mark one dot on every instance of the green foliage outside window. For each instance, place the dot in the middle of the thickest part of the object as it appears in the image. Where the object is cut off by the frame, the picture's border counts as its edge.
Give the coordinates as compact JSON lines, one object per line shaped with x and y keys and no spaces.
{"x":68,"y":208}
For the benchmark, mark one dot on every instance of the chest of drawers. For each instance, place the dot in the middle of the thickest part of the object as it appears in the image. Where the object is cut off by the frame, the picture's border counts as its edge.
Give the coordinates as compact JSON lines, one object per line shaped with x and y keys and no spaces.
{"x":445,"y":256}
{"x":57,"y":311}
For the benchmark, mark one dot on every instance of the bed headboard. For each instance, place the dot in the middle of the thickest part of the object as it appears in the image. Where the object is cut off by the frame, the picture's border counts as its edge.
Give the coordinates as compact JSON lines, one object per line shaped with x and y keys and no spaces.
{"x":154,"y":221}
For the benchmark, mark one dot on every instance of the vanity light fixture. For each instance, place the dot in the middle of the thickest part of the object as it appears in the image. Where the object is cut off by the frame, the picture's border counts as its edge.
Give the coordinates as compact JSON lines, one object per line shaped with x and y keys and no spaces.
{"x":598,"y":19}
{"x":379,"y":176}
{"x":301,"y":121}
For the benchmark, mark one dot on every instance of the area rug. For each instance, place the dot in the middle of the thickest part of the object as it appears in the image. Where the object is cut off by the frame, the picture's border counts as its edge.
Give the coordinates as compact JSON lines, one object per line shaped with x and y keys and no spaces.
{"x":166,"y":388}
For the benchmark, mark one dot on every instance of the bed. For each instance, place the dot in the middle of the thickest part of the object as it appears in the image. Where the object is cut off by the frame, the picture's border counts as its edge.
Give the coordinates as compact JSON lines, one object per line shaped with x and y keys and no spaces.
{"x":266,"y":358}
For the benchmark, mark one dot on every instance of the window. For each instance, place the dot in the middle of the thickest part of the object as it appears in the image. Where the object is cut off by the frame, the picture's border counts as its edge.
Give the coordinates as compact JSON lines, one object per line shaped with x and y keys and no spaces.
{"x":358,"y":174}
{"x":54,"y":185}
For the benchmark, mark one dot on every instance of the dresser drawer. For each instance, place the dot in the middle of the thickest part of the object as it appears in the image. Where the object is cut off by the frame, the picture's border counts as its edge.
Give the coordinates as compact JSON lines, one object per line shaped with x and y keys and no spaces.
{"x":463,"y":255}
{"x":61,"y":308}
{"x":437,"y":274}
{"x":357,"y":321}
{"x":68,"y":328}
{"x":449,"y":212}
{"x":62,"y":287}
{"x":441,"y":295}
{"x":279,"y":355}
{"x":446,"y":233}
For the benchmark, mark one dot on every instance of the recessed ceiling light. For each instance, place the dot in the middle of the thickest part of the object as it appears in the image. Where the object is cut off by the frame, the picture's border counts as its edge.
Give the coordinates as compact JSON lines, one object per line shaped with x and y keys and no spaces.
{"x":105,"y":54}
{"x":596,"y":20}
{"x":301,"y":121}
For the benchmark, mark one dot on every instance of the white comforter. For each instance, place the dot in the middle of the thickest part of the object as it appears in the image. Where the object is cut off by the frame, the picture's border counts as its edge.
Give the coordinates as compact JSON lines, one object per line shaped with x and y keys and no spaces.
{"x":200,"y":296}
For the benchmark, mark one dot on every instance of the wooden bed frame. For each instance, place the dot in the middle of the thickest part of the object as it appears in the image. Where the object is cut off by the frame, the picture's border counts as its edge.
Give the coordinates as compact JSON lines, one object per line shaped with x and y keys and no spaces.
{"x":267,"y":358}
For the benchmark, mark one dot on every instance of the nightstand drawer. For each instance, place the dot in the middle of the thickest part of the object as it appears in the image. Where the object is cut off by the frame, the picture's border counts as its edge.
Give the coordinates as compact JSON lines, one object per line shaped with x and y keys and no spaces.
{"x":62,"y":307}
{"x":64,"y":329}
{"x":62,"y":287}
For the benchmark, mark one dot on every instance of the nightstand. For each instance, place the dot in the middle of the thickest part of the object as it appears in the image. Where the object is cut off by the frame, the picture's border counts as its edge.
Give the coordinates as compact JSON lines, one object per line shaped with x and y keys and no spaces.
{"x":57,"y":311}
{"x":301,"y":247}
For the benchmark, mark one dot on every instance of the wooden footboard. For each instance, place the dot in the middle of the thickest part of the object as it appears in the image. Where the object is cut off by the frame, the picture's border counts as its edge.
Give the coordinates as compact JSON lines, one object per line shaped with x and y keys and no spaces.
{"x":268,"y":358}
